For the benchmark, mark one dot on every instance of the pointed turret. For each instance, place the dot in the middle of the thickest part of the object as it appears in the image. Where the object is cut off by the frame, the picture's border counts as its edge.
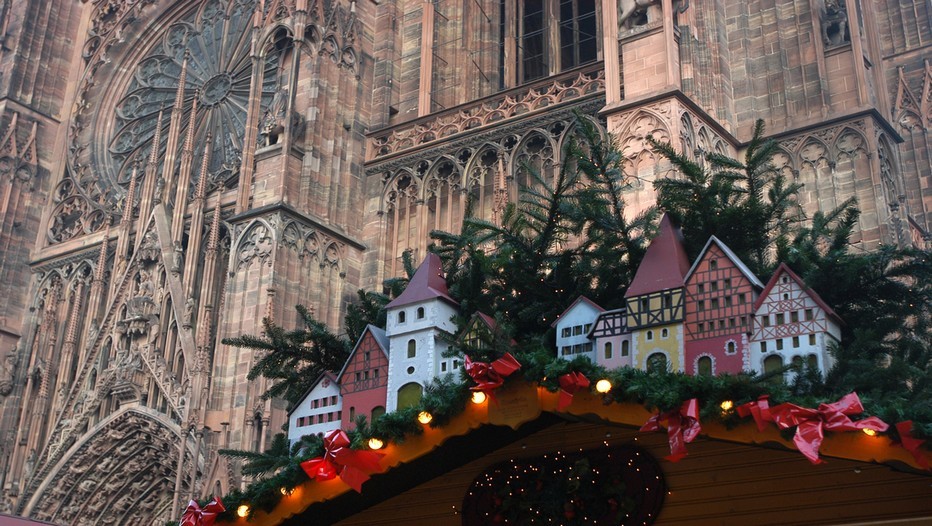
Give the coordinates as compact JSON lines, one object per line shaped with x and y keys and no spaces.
{"x":149,"y":179}
{"x":174,"y":127}
{"x":664,"y":265}
{"x":195,"y":233}
{"x":427,"y":283}
{"x":184,"y":175}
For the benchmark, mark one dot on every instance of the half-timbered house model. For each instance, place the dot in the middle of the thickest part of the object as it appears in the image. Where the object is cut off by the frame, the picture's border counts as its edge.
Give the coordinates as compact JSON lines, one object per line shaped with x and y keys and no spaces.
{"x":364,"y":378}
{"x":656,"y":302}
{"x":792,"y":324}
{"x":612,"y":339}
{"x":720,"y":295}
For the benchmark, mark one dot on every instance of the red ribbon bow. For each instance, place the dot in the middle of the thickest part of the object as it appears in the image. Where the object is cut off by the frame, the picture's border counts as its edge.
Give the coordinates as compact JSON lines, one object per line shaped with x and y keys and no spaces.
{"x":489,"y":376}
{"x":569,"y":384}
{"x":911,"y":443}
{"x":682,"y":427}
{"x":353,"y":466}
{"x":833,"y":417}
{"x":194,"y":515}
{"x":760,"y":410}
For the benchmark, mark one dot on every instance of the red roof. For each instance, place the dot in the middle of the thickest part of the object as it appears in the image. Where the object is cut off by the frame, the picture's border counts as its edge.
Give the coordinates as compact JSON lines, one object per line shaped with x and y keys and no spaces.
{"x":426,"y":284}
{"x":665,"y":264}
{"x":802,"y":284}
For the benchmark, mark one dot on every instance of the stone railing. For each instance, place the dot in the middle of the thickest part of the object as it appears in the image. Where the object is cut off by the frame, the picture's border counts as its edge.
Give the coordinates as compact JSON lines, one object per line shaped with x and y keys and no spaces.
{"x":489,"y":111}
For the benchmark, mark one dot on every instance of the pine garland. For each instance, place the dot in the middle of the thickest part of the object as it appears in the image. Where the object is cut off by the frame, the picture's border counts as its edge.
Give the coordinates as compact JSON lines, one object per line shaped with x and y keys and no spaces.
{"x":662,"y":391}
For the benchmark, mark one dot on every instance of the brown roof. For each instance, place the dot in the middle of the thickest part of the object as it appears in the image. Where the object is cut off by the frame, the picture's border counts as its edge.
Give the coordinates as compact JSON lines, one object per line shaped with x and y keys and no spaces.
{"x":664,"y":265}
{"x":426,"y":284}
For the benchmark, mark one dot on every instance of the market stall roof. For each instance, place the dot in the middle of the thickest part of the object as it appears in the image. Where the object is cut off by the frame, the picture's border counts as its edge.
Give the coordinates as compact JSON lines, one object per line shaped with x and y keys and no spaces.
{"x":756,"y":470}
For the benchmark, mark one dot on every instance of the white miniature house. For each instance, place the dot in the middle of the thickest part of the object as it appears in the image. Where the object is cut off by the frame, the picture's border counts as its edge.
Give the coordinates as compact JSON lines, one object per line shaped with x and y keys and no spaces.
{"x":419,"y":325}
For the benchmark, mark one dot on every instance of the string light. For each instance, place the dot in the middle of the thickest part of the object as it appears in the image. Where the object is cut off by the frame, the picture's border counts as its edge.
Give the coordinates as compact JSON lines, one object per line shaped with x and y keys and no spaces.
{"x":478,"y":397}
{"x":869,"y":432}
{"x":285,"y":491}
{"x":424,"y":417}
{"x":375,"y":443}
{"x":242,"y":511}
{"x":603,"y":386}
{"x":727,"y":405}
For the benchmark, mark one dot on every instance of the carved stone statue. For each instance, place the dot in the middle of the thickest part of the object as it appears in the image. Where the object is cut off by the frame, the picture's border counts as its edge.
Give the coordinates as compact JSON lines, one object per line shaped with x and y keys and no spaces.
{"x":188,"y":318}
{"x":30,"y":463}
{"x":154,"y":329}
{"x":7,"y":370}
{"x":638,"y":10}
{"x":626,"y":8}
{"x":146,"y":287}
{"x":274,"y":120}
{"x":159,"y":189}
{"x":92,"y":332}
{"x":178,"y":260}
{"x":834,"y":21}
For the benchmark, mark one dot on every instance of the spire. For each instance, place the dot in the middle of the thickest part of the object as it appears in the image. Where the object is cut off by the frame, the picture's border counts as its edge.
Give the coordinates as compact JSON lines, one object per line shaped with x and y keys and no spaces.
{"x":182,"y":79}
{"x":102,"y":255}
{"x":664,"y":265}
{"x":200,"y":191}
{"x":427,"y":283}
{"x":213,"y":239}
{"x":130,"y":196}
{"x":156,"y":139}
{"x":189,"y":137}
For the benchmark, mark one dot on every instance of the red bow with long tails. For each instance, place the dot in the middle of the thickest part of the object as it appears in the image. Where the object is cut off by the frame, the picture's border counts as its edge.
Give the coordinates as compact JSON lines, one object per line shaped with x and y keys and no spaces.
{"x":759,"y":409}
{"x":811,"y":422}
{"x":682,"y":427}
{"x":352,"y":465}
{"x":194,"y":515}
{"x":490,"y":376}
{"x":911,"y":443}
{"x":569,"y":384}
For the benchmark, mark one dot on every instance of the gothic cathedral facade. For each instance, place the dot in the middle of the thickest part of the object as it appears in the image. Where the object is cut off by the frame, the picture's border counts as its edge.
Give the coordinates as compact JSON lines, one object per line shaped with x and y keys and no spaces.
{"x":174,"y":171}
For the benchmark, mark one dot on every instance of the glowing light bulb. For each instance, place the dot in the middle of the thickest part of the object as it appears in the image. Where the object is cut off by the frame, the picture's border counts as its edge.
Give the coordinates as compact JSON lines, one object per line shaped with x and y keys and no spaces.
{"x":375,"y":443}
{"x":603,"y":386}
{"x":727,"y":405}
{"x":869,"y":432}
{"x":478,"y":397}
{"x":285,"y":491}
{"x":242,"y":511}
{"x":424,"y":417}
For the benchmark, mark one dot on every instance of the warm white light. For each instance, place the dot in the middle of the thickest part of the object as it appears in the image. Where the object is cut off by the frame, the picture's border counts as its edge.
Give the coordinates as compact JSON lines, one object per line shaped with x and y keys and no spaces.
{"x":869,"y":432}
{"x":478,"y":397}
{"x":375,"y":443}
{"x":727,"y":405}
{"x":424,"y":417}
{"x":285,"y":491}
{"x":603,"y":386}
{"x":242,"y":511}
